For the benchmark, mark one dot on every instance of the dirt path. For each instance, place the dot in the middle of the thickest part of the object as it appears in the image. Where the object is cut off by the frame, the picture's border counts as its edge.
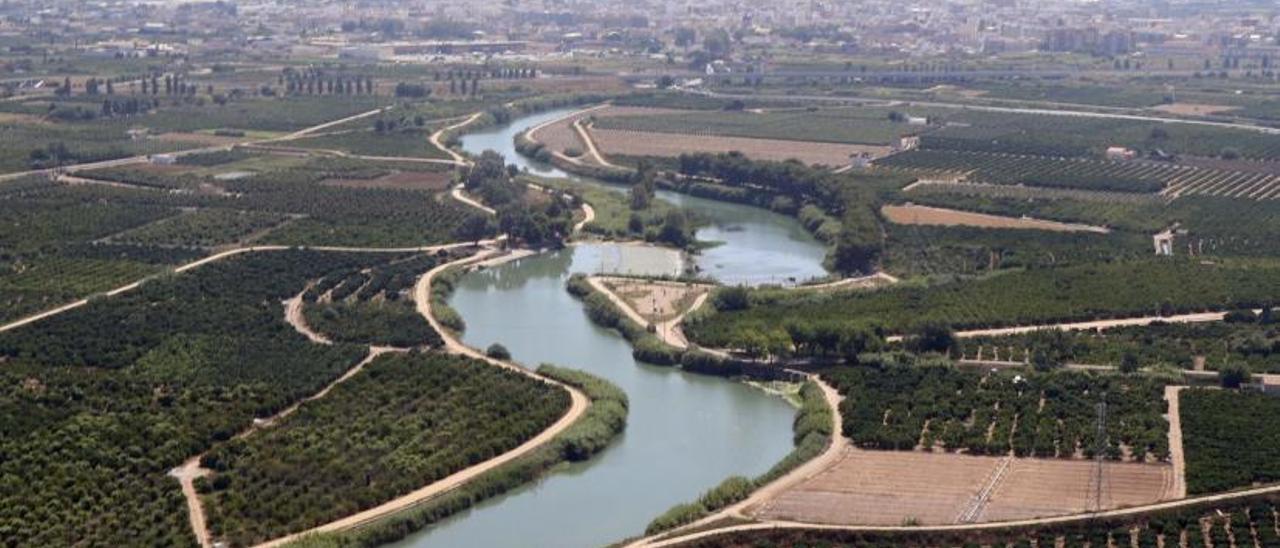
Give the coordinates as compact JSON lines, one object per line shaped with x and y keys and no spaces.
{"x":1200,"y":317}
{"x":1177,"y":457}
{"x":459,"y":194}
{"x":435,"y":138}
{"x":590,"y":143}
{"x":293,"y":313}
{"x":588,"y":216}
{"x":190,"y":470}
{"x":669,"y":331}
{"x":578,"y":406}
{"x":861,"y":282}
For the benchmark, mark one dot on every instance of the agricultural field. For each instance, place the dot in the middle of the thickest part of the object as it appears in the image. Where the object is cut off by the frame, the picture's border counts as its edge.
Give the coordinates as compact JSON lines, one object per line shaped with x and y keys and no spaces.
{"x":1254,"y":344}
{"x":1074,"y":293}
{"x":849,"y":126}
{"x":138,"y":393}
{"x":405,"y":143}
{"x":1229,"y":438}
{"x":927,"y":251}
{"x":1045,"y":415}
{"x":667,"y":145}
{"x":1250,"y":522}
{"x":890,"y":489}
{"x":201,"y":228}
{"x":1098,"y":175}
{"x":391,"y":429}
{"x":1080,"y":136}
{"x":373,"y":306}
{"x":911,"y":214}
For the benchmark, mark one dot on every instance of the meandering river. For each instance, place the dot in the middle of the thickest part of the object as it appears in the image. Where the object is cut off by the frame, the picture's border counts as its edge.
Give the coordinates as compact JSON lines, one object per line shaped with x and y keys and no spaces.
{"x":685,"y":432}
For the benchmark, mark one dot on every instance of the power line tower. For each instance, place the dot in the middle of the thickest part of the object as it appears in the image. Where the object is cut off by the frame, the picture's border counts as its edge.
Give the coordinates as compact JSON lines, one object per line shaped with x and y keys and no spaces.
{"x":1099,"y":456}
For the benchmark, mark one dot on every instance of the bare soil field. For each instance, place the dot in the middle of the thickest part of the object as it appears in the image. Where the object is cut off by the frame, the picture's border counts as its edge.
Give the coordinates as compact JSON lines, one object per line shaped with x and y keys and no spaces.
{"x":1193,"y":109}
{"x":404,"y":180}
{"x":893,"y":488}
{"x":1037,"y":487}
{"x":560,"y":135}
{"x":639,"y":143}
{"x":885,"y":488}
{"x":656,"y":301}
{"x":911,"y":214}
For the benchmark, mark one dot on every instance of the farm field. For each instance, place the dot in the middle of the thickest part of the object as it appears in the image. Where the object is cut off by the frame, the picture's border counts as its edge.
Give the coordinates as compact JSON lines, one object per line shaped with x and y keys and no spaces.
{"x":670,"y":145}
{"x":137,"y":383}
{"x":891,"y":488}
{"x":1073,"y":293}
{"x":1230,"y":439}
{"x":936,"y":161}
{"x":201,"y":228}
{"x":389,"y":430}
{"x":924,"y":215}
{"x":842,"y":126}
{"x":1024,"y":413}
{"x":407,"y":143}
{"x":433,"y":181}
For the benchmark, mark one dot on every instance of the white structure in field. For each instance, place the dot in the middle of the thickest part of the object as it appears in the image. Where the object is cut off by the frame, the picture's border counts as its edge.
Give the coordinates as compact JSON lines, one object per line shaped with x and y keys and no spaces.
{"x":1120,"y":153}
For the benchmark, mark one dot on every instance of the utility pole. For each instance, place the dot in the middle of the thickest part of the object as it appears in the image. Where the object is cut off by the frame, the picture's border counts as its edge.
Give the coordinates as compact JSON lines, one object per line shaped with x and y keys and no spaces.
{"x":1099,"y":451}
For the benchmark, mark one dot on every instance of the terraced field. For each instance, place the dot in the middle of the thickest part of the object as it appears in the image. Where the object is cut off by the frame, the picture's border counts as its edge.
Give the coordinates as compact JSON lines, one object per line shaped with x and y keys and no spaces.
{"x":1096,"y":175}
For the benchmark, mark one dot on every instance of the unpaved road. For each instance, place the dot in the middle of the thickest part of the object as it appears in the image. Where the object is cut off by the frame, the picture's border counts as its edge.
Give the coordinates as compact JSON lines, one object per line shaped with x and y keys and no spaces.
{"x":435,"y":138}
{"x":1176,"y":454}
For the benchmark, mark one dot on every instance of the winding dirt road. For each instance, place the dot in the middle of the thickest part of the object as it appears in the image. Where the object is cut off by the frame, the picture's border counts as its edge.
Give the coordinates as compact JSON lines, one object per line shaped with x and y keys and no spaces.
{"x":439,"y":134}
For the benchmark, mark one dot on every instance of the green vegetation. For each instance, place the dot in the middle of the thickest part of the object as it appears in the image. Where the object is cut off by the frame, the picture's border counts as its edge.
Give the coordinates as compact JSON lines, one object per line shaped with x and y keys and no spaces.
{"x":1074,"y":293}
{"x":1037,"y":171}
{"x":1038,"y":414}
{"x":1252,"y":342}
{"x":373,"y":305}
{"x":915,"y":250}
{"x":603,"y":421}
{"x":140,"y":382}
{"x":618,"y":216}
{"x":1229,"y":438}
{"x":397,"y":426}
{"x":408,"y":143}
{"x":537,"y":219}
{"x":202,"y":228}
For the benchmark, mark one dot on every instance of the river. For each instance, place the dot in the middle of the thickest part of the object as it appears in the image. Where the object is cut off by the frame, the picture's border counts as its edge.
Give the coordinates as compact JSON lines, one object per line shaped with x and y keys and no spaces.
{"x":685,"y":432}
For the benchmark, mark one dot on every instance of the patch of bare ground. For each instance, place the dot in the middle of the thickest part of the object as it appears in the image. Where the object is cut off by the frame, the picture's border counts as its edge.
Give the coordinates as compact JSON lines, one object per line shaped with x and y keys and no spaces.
{"x":910,"y":214}
{"x":403,"y":180}
{"x":1035,"y":488}
{"x":1194,"y":109}
{"x":896,"y":488}
{"x":656,"y":301}
{"x":669,"y":145}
